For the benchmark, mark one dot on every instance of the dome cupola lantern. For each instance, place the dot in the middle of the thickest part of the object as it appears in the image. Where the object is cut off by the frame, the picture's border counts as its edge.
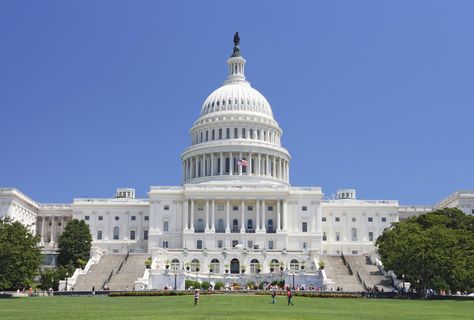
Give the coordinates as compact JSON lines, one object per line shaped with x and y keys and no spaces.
{"x":236,"y":63}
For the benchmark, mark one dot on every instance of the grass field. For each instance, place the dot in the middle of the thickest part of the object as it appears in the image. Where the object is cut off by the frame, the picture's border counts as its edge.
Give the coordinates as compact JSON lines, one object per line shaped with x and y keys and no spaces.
{"x":229,"y":307}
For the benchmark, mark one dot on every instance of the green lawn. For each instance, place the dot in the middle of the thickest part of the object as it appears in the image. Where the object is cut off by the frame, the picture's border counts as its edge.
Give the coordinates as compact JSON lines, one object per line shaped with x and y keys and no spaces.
{"x":229,"y":307}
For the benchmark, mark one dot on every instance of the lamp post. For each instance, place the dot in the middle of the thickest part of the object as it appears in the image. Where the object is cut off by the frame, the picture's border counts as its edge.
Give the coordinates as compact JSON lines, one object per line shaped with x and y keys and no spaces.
{"x":67,"y":275}
{"x":175,"y":276}
{"x":293,"y":280}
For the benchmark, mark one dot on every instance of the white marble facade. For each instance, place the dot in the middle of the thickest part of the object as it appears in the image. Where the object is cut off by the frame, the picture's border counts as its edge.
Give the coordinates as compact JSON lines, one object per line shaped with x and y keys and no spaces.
{"x":235,"y":204}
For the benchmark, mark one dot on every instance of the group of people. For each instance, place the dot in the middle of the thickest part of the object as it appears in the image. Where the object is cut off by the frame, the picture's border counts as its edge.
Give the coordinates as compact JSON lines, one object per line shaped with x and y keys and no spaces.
{"x":289,"y":296}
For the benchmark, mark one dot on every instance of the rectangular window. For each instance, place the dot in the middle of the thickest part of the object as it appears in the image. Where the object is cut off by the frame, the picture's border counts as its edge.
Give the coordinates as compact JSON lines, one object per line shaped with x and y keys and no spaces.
{"x":200,"y":208}
{"x":249,"y":208}
{"x":147,"y":218}
{"x":325,"y":238}
{"x":167,"y":207}
{"x":235,"y":208}
{"x":220,"y":208}
{"x":371,"y":236}
{"x":234,"y":243}
{"x":100,"y":218}
{"x":99,"y":234}
{"x":304,"y":226}
{"x":132,"y":234}
{"x":145,"y":234}
{"x":270,"y":245}
{"x":199,"y":244}
{"x":250,"y":244}
{"x":220,"y":244}
{"x":370,"y":219}
{"x":384,"y":219}
{"x":304,"y":208}
{"x":270,"y":208}
{"x":305,"y":245}
{"x":133,"y":218}
{"x":165,"y":226}
{"x":86,"y":218}
{"x":337,"y":219}
{"x":236,"y":133}
{"x":165,"y":244}
{"x":323,"y":218}
{"x":355,"y":252}
{"x":338,"y":236}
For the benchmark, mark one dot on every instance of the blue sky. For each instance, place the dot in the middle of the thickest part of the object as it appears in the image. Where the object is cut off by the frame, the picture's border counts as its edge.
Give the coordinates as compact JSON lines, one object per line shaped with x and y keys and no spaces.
{"x":374,"y":95}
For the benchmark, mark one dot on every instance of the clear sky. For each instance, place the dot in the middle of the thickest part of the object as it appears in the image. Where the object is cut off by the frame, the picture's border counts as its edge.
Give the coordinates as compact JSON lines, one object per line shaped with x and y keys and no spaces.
{"x":373,"y":95}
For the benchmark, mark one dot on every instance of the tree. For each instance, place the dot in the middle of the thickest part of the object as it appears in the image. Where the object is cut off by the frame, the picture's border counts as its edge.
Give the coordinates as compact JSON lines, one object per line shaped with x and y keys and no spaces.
{"x":20,"y":256}
{"x":434,"y":250}
{"x":74,"y":245}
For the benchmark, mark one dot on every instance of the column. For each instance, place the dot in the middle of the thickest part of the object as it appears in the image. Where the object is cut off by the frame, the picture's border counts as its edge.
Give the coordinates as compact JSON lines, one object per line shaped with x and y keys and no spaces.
{"x":196,"y":171}
{"x":213,"y":215}
{"x":212,"y":164}
{"x":184,"y":170}
{"x":242,"y":206}
{"x":52,"y":231}
{"x":62,"y":225}
{"x":257,"y":223}
{"x":274,"y":166}
{"x":43,"y":220}
{"x":258,"y":165}
{"x":203,"y":173}
{"x":227,"y":228}
{"x":231,"y":164}
{"x":240,"y":166}
{"x":267,"y":165}
{"x":221,"y":159}
{"x":278,"y":216}
{"x":288,"y":172}
{"x":186,"y":215}
{"x":206,"y":228}
{"x":249,"y":168}
{"x":264,"y":223}
{"x":280,"y":167}
{"x":192,"y":216}
{"x":285,"y":209}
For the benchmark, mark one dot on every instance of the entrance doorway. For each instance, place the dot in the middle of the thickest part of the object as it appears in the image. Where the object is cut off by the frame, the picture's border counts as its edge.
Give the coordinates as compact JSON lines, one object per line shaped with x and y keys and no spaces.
{"x":234,"y":266}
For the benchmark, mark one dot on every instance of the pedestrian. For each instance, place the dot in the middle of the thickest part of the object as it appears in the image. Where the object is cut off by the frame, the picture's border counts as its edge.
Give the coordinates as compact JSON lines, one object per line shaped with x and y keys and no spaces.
{"x":289,"y":294}
{"x":196,"y":298}
{"x":273,"y":296}
{"x":93,"y":290}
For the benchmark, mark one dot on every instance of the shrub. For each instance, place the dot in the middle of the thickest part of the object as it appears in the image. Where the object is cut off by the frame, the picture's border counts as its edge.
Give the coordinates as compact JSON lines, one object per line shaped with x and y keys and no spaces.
{"x":251,"y":285}
{"x":219,"y":285}
{"x":205,"y":285}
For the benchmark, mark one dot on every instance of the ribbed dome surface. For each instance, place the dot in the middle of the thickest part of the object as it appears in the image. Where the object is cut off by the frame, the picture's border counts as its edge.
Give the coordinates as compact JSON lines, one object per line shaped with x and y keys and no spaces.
{"x":237,"y":96}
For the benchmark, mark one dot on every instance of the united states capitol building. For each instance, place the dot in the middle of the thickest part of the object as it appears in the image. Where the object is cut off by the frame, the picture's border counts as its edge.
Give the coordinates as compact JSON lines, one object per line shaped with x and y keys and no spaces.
{"x":235,"y":215}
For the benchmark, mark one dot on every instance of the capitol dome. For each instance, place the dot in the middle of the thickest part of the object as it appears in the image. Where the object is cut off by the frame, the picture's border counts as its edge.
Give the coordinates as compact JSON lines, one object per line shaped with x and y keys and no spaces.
{"x":236,"y":136}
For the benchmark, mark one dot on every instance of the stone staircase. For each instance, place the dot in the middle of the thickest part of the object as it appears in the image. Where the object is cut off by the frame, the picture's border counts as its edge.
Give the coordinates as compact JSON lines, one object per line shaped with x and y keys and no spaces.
{"x":369,"y":273}
{"x":132,"y":269}
{"x":340,"y":274}
{"x":99,"y":273}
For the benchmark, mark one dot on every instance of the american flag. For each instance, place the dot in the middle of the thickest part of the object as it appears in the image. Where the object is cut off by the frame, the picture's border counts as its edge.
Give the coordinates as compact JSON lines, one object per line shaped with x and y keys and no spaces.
{"x":242,"y":162}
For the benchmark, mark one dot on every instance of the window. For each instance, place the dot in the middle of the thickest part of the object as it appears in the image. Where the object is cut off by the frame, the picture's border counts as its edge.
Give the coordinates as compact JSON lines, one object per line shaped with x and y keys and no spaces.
{"x":213,"y":135}
{"x":251,"y":134}
{"x":249,"y":208}
{"x":145,"y":234}
{"x":147,"y":218}
{"x":166,"y":226}
{"x":249,"y":224}
{"x":116,"y":233}
{"x":166,"y":207}
{"x":270,"y":226}
{"x":199,"y":244}
{"x":304,"y":226}
{"x":250,"y":244}
{"x":384,"y":219}
{"x":200,"y":225}
{"x":294,"y":265}
{"x":305,"y":245}
{"x":234,"y":243}
{"x":200,"y":208}
{"x":220,"y":244}
{"x":325,"y":238}
{"x":99,"y":234}
{"x":117,"y":218}
{"x":86,"y":218}
{"x":304,"y":208}
{"x":254,"y":266}
{"x":270,"y":245}
{"x":371,"y":236}
{"x":338,"y":219}
{"x":323,"y":218}
{"x":220,"y":134}
{"x":215,"y":266}
{"x":133,"y":218}
{"x":165,"y":244}
{"x":132,"y":234}
{"x":207,"y":135}
{"x":235,"y":225}
{"x":100,"y":218}
{"x":195,"y":265}
{"x":236,"y":133}
{"x":338,"y":236}
{"x":270,"y":208}
{"x":370,"y":219}
{"x":235,"y":208}
{"x":227,"y":133}
{"x":175,"y":264}
{"x":243,"y":133}
{"x":220,"y":225}
{"x":355,"y":252}
{"x":353,"y":219}
{"x":354,"y":234}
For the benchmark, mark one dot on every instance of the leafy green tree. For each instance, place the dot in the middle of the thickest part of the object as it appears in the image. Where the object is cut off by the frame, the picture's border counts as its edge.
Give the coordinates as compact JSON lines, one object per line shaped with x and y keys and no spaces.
{"x":20,"y":256}
{"x":74,"y":245}
{"x":434,"y":250}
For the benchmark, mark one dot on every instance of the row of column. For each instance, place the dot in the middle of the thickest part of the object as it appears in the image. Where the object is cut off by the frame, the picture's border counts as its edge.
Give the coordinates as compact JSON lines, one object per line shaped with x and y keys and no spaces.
{"x":54,"y":228}
{"x":218,"y":164}
{"x":210,"y":215}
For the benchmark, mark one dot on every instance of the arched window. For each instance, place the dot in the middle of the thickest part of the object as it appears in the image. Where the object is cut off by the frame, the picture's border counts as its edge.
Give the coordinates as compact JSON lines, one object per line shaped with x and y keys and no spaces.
{"x":354,"y":234}
{"x":250,"y":224}
{"x":207,"y":135}
{"x":270,"y":225}
{"x":116,"y":233}
{"x":294,"y":265}
{"x":251,"y":134}
{"x":227,"y":133}
{"x":254,"y":266}
{"x":243,"y":133}
{"x":227,"y":165}
{"x":175,"y":265}
{"x":200,"y":225}
{"x":236,"y":133}
{"x":195,"y":265}
{"x":220,"y":134}
{"x":201,"y":136}
{"x":213,"y":135}
{"x":235,"y":225}
{"x":274,"y":264}
{"x":220,"y":225}
{"x":215,"y":266}
{"x":235,"y":266}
